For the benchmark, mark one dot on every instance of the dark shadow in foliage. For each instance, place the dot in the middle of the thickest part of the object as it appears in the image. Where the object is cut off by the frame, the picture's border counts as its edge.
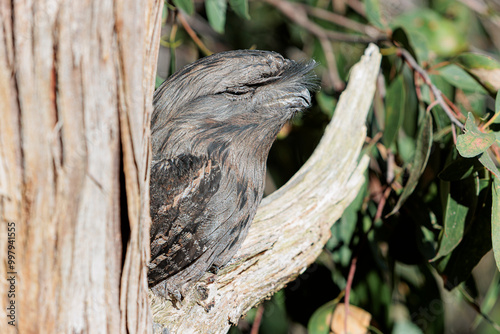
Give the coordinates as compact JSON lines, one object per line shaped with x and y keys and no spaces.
{"x":308,"y":292}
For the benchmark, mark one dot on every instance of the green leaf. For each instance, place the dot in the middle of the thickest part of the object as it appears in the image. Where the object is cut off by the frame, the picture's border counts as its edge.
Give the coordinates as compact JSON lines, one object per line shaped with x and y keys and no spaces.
{"x":343,"y":230}
{"x":326,"y":103}
{"x":456,"y":267}
{"x":240,"y":7}
{"x":164,"y":13}
{"x":459,"y":78}
{"x":484,"y":69}
{"x":318,"y":323}
{"x":461,"y":199}
{"x":439,"y":33}
{"x":495,"y":220}
{"x":274,"y":319}
{"x":473,"y":142}
{"x":216,"y":13}
{"x":373,"y":13}
{"x":395,"y":102}
{"x":424,"y":144}
{"x":485,"y":159}
{"x":497,"y":117}
{"x":470,"y":60}
{"x":185,"y":5}
{"x":497,"y":104}
{"x":158,"y":81}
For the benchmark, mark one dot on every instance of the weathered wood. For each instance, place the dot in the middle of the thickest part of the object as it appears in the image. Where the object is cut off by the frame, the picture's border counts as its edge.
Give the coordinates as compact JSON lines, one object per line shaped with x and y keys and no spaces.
{"x":76,"y":83}
{"x":291,"y":226}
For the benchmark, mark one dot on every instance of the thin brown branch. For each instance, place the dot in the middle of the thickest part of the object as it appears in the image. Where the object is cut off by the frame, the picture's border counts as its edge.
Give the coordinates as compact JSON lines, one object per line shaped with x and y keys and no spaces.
{"x":333,"y":72}
{"x":348,"y":288}
{"x":193,"y":35}
{"x":357,"y":6}
{"x":381,"y":204}
{"x":257,"y":320}
{"x":298,"y":14}
{"x":343,"y":21}
{"x":412,"y":63}
{"x":452,"y":106}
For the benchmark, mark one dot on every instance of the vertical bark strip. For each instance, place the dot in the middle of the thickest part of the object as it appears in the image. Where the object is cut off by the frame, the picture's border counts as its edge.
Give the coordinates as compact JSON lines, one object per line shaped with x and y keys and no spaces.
{"x":76,"y":81}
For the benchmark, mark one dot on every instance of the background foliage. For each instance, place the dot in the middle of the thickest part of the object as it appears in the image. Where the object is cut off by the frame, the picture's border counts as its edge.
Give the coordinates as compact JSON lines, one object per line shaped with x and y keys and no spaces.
{"x":413,"y":253}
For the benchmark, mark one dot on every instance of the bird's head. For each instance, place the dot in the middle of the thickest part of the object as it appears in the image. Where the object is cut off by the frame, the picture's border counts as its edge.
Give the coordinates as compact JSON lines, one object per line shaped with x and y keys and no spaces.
{"x":243,"y":97}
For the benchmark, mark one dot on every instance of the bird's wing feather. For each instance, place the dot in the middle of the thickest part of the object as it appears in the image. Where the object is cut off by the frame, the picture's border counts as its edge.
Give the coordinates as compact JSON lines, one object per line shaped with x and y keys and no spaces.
{"x":181,"y":188}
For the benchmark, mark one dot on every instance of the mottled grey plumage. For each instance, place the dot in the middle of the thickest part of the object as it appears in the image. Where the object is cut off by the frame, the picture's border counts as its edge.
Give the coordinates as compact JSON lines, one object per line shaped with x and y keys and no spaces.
{"x":213,"y":124}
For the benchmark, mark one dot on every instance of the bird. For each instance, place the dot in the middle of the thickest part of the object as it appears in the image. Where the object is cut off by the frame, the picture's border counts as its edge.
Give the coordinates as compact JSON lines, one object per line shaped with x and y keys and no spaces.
{"x":212,"y":126}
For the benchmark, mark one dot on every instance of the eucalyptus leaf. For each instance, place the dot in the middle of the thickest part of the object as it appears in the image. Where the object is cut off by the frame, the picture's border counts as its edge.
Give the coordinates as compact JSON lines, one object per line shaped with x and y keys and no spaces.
{"x":487,"y":162}
{"x":461,"y":199}
{"x":185,"y":5}
{"x":497,"y":104}
{"x":459,"y":78}
{"x":473,"y":142}
{"x":456,"y":267}
{"x":424,"y":144}
{"x":394,"y":110}
{"x":483,"y":68}
{"x":158,"y":81}
{"x":216,"y":14}
{"x":495,"y":220}
{"x":240,"y":7}
{"x":373,"y":13}
{"x":318,"y":323}
{"x":439,"y":33}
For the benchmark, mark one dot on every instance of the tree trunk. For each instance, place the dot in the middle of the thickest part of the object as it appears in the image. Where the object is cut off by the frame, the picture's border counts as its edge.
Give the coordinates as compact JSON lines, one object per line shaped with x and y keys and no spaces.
{"x":76,"y":83}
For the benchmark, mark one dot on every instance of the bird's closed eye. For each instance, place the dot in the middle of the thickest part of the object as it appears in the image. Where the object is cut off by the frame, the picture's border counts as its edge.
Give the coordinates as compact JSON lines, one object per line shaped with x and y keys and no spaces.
{"x":238,"y":92}
{"x":244,"y":91}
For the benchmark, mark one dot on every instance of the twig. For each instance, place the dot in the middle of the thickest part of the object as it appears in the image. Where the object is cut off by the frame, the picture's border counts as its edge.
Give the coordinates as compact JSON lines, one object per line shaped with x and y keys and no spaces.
{"x":477,"y":308}
{"x":435,"y":91}
{"x":432,"y":105}
{"x":333,"y":72}
{"x":344,"y":22}
{"x":298,"y":14}
{"x":193,"y":35}
{"x":257,"y":320}
{"x":452,"y":106}
{"x":390,"y":166}
{"x":348,"y":287}
{"x":479,"y":7}
{"x":357,"y":6}
{"x":491,"y":120}
{"x":381,"y":203}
